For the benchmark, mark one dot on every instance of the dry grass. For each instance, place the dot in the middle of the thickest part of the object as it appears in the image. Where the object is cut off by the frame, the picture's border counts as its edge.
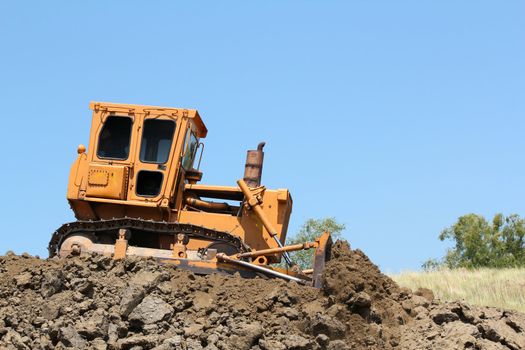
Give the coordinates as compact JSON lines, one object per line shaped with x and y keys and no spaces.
{"x":504,"y":288}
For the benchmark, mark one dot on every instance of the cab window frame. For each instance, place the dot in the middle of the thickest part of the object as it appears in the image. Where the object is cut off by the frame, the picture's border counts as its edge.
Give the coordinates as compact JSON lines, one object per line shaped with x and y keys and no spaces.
{"x":127,"y":148}
{"x":187,"y":143}
{"x":141,"y":173}
{"x":174,"y":122}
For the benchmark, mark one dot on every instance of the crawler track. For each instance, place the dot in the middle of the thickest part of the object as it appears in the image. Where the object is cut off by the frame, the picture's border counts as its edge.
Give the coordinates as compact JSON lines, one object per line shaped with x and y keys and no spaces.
{"x":156,"y":227}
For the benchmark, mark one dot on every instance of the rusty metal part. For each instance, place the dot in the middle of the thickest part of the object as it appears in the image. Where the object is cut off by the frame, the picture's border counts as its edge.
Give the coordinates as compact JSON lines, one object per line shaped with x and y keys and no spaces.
{"x":288,"y":248}
{"x":260,"y":268}
{"x":254,"y":166}
{"x":321,"y":255}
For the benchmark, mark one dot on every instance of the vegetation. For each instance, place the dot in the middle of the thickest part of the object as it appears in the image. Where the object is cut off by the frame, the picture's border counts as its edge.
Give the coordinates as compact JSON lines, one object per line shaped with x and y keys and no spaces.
{"x":478,"y":243}
{"x":485,"y":287}
{"x":310,"y":230}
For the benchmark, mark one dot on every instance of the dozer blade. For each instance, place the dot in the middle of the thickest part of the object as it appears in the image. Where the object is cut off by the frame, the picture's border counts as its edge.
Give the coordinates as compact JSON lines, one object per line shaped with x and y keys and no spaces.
{"x":321,"y":256}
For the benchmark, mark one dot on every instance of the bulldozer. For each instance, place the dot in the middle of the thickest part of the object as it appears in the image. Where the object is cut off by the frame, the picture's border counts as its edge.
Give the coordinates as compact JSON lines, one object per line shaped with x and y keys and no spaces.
{"x":135,"y":191}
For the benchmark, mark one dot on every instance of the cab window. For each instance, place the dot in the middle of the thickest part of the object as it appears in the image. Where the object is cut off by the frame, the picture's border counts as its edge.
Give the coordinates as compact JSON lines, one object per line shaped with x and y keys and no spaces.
{"x":190,"y":149}
{"x":156,"y":142}
{"x":114,"y":139}
{"x":149,"y":183}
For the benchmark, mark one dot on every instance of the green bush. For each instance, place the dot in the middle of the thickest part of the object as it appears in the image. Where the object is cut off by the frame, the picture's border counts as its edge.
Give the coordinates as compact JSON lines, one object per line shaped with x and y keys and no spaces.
{"x":478,"y":243}
{"x":308,"y":232}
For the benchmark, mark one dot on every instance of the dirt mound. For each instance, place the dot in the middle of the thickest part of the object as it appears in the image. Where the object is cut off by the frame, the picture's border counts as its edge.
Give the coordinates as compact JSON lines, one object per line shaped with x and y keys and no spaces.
{"x":394,"y":317}
{"x":95,"y":302}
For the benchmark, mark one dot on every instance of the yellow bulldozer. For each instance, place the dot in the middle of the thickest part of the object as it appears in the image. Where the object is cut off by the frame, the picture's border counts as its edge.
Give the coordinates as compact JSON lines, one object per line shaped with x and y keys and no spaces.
{"x":135,"y":191}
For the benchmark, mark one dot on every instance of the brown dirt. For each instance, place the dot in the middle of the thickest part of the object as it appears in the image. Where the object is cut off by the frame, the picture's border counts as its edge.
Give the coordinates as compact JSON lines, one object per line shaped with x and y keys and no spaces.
{"x":97,"y":303}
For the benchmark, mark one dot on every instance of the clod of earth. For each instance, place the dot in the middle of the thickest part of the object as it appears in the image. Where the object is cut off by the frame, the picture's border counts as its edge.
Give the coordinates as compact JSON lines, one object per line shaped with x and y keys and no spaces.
{"x":97,"y":303}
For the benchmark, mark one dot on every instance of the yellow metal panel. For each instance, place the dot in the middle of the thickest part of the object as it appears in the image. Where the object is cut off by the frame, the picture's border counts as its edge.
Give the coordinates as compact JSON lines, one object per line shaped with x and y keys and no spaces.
{"x":107,"y":181}
{"x":98,"y":177}
{"x":283,"y":195}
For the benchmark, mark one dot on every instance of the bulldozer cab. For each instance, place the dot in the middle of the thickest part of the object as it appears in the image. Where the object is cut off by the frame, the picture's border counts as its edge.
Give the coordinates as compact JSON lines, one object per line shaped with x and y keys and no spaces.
{"x":141,"y":154}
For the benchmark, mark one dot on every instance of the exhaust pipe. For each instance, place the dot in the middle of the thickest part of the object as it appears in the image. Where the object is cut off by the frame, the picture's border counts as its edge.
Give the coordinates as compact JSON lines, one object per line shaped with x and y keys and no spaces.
{"x":254,"y":165}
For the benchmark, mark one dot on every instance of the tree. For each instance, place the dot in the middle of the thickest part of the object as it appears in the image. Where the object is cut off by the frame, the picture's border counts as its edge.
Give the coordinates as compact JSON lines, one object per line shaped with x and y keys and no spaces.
{"x":478,"y":243}
{"x":309,"y":231}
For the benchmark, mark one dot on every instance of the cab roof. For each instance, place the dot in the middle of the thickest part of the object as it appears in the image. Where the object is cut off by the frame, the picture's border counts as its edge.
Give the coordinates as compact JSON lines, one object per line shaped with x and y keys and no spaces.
{"x":152,"y":110}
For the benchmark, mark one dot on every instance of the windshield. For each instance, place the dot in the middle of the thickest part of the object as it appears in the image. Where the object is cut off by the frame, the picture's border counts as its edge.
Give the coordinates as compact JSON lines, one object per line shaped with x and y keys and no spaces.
{"x":190,"y":149}
{"x":156,"y":140}
{"x":113,"y":142}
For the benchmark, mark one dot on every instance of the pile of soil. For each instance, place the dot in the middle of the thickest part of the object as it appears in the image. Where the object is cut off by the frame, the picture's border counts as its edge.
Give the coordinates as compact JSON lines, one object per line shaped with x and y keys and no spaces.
{"x":98,"y":303}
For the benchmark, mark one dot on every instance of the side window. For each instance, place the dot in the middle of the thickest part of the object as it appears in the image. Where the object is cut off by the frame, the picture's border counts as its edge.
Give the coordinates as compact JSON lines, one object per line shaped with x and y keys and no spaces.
{"x":114,"y":139}
{"x":149,"y":183}
{"x":189,"y":151}
{"x":157,"y":137}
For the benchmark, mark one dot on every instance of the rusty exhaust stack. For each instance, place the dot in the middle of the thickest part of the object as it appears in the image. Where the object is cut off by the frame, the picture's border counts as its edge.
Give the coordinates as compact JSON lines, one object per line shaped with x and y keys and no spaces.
{"x":254,"y":165}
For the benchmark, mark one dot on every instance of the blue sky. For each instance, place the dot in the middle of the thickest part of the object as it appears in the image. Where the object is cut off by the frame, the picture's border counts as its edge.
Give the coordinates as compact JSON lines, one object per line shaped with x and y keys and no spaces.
{"x":395,"y":117}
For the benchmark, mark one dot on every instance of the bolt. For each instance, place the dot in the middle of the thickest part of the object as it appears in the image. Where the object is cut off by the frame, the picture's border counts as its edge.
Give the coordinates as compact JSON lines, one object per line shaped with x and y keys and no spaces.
{"x":75,"y":249}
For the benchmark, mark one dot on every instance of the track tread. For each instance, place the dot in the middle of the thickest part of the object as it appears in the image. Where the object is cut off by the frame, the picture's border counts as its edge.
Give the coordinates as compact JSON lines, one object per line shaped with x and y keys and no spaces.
{"x":164,"y":227}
